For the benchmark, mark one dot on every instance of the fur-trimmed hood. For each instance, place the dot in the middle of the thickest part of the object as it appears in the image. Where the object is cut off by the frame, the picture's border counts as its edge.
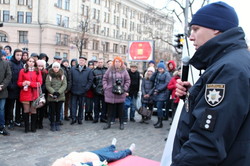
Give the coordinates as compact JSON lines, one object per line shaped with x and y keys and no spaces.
{"x":53,"y":74}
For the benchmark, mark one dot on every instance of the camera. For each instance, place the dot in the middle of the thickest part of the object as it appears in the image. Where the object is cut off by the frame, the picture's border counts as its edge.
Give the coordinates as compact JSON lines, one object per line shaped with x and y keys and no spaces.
{"x":118,"y":81}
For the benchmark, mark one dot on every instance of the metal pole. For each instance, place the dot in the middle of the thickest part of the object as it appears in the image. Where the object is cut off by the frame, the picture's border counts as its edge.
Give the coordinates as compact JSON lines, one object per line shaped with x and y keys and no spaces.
{"x":186,"y":18}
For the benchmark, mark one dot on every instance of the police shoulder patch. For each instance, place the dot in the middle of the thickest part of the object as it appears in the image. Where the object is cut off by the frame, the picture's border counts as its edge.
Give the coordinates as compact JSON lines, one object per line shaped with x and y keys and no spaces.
{"x":214,"y":94}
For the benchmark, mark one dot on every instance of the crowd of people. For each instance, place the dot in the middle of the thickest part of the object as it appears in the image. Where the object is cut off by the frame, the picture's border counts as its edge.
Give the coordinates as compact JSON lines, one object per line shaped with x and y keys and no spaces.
{"x":79,"y":89}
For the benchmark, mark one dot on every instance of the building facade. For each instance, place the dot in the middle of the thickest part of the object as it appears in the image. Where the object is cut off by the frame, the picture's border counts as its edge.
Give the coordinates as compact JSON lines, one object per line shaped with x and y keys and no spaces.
{"x":93,"y":28}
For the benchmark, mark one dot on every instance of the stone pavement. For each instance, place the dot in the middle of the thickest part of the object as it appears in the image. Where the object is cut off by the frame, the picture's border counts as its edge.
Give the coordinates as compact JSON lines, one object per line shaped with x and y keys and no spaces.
{"x":44,"y":147}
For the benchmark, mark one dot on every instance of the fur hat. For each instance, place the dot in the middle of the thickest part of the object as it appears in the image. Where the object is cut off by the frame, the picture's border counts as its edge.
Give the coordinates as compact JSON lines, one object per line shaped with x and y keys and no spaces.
{"x":218,"y":16}
{"x":56,"y":64}
{"x":151,"y":69}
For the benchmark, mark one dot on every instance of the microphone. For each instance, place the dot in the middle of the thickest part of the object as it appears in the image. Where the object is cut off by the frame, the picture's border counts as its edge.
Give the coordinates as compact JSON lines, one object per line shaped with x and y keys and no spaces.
{"x":185,"y":69}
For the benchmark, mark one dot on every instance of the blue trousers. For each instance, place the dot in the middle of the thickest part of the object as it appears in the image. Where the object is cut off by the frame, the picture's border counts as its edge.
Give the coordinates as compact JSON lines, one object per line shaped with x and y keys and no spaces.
{"x":109,"y":154}
{"x":159,"y":105}
{"x":129,"y":103}
{"x":77,"y":102}
{"x":2,"y":118}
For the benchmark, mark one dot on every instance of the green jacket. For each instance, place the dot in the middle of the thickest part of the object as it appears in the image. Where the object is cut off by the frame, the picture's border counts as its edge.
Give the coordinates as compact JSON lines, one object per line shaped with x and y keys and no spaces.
{"x":56,"y":82}
{"x":5,"y":78}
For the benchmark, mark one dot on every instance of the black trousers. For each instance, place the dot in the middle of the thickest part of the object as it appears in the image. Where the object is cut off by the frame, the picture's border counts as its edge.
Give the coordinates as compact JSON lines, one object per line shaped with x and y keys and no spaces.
{"x":113,"y":109}
{"x":55,"y":108}
{"x":9,"y":107}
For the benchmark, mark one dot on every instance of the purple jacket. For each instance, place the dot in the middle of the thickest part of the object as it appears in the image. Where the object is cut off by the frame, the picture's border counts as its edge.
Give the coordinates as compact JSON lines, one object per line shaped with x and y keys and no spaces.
{"x":108,"y":81}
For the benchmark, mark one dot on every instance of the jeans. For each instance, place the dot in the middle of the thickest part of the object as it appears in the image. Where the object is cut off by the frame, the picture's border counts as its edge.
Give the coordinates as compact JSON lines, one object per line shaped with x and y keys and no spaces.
{"x":2,"y":120}
{"x":100,"y":106}
{"x":109,"y":154}
{"x":129,"y":103}
{"x":77,"y":102}
{"x":89,"y":105}
{"x":159,"y":105}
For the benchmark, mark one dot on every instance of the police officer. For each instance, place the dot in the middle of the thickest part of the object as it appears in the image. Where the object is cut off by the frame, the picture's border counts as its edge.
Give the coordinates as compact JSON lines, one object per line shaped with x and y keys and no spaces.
{"x":214,"y":124}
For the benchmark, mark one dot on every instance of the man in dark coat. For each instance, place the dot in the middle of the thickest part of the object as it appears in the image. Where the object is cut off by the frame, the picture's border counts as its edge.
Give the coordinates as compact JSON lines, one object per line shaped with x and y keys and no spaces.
{"x":99,"y":103}
{"x":5,"y":77}
{"x":82,"y":79}
{"x":134,"y":87}
{"x":214,"y":124}
{"x":16,"y":65}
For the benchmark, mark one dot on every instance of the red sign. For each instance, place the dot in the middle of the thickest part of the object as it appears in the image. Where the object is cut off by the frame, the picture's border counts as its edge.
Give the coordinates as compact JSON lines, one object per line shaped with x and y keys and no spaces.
{"x":141,"y":50}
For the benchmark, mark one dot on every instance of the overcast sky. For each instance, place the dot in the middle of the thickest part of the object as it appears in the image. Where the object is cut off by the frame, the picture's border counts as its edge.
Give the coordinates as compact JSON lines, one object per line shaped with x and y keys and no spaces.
{"x":241,"y":7}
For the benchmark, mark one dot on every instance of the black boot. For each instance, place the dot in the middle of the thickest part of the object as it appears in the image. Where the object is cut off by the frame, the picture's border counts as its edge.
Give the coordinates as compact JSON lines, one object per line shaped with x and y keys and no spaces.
{"x":26,"y":122}
{"x":33,"y":122}
{"x":159,"y":125}
{"x":91,"y":116}
{"x":108,"y":124}
{"x":53,"y":126}
{"x":86,"y":116}
{"x":57,"y":126}
{"x":121,"y":124}
{"x":158,"y":121}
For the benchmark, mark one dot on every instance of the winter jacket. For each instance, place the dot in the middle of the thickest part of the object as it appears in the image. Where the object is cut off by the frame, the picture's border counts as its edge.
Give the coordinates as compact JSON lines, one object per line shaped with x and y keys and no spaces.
{"x":81,"y":80}
{"x":67,"y":73}
{"x":97,"y":82}
{"x":13,"y":88}
{"x":147,"y":88}
{"x":214,"y":126}
{"x":109,"y":79}
{"x":135,"y":83}
{"x":56,"y":82}
{"x":35,"y":81}
{"x":172,"y":87}
{"x":5,"y":78}
{"x":160,"y":81}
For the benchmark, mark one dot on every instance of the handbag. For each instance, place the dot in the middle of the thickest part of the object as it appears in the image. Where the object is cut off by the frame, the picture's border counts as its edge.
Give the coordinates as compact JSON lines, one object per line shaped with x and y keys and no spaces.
{"x":40,"y":101}
{"x":144,"y":111}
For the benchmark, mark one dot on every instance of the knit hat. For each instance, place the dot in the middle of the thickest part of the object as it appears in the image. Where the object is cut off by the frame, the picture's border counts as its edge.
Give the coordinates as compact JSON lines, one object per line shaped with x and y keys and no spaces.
{"x":218,"y":16}
{"x":151,"y":62}
{"x":8,"y":47}
{"x":151,"y":69}
{"x":56,"y":64}
{"x":41,"y":63}
{"x":161,"y":65}
{"x":34,"y":55}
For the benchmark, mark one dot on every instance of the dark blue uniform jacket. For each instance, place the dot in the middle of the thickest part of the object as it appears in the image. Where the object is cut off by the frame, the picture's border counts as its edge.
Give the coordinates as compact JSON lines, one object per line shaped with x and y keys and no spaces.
{"x":214,"y":127}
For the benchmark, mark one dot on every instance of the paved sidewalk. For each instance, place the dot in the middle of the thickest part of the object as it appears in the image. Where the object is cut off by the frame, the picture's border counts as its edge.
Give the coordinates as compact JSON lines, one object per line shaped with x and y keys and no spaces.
{"x":44,"y":147}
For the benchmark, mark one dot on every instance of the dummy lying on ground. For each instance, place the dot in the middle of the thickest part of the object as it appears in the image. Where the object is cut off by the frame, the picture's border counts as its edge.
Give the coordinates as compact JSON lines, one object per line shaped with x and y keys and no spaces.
{"x":99,"y":157}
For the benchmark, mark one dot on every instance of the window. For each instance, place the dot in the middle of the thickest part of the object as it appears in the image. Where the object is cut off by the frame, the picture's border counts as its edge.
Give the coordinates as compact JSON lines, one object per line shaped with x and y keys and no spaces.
{"x":67,"y":2}
{"x":28,"y":17}
{"x":85,"y":10}
{"x":65,"y":55}
{"x":59,"y":3}
{"x":124,"y":49}
{"x":20,"y":2}
{"x":20,"y":17}
{"x":106,"y":46}
{"x":58,"y":19}
{"x":57,"y":53}
{"x":65,"y":40}
{"x":95,"y":45}
{"x":3,"y":37}
{"x":85,"y":44}
{"x":115,"y":48}
{"x":29,"y":2}
{"x":58,"y":38}
{"x":6,"y":16}
{"x":107,"y":3}
{"x":6,"y":1}
{"x":66,"y":22}
{"x":97,"y":1}
{"x":23,"y":36}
